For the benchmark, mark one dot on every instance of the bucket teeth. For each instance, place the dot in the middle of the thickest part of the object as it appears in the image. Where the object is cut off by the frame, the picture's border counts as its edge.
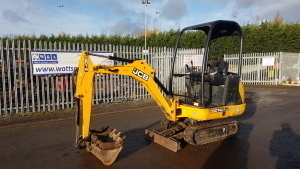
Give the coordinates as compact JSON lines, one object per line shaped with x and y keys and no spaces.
{"x":105,"y":144}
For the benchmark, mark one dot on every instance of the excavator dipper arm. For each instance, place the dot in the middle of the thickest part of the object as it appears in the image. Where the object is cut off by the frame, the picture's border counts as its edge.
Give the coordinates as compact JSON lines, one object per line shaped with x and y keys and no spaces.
{"x":106,"y":143}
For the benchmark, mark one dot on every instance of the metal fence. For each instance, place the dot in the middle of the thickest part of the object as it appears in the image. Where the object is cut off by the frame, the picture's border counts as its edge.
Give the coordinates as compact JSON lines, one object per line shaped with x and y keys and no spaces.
{"x":20,"y":91}
{"x":267,"y":68}
{"x":23,"y":92}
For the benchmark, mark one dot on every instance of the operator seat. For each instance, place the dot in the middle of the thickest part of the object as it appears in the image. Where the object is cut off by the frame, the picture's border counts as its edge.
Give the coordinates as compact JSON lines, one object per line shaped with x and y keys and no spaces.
{"x":221,"y":67}
{"x":218,"y":77}
{"x":224,"y":85}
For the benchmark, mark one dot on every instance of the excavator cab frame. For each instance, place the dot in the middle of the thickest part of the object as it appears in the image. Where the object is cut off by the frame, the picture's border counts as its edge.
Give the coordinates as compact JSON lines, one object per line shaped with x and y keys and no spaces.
{"x":214,"y":81}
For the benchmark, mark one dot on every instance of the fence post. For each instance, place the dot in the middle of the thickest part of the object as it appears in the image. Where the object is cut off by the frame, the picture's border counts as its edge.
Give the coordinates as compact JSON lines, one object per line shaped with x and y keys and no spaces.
{"x":280,"y":67}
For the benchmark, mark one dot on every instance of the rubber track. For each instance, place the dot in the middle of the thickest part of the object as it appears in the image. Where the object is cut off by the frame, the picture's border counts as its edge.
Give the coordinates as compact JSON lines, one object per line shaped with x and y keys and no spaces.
{"x":190,"y":131}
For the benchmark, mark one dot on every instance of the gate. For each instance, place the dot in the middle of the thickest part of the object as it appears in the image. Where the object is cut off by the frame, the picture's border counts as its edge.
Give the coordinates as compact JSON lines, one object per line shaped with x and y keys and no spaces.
{"x":267,"y":68}
{"x":290,"y":68}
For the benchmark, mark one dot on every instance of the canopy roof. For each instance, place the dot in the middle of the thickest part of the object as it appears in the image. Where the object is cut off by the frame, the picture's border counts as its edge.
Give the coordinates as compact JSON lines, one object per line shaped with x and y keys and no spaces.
{"x":219,"y":28}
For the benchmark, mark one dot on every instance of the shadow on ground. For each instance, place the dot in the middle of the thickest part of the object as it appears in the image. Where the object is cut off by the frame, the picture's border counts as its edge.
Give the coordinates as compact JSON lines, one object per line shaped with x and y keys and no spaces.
{"x":285,"y":145}
{"x":135,"y":140}
{"x":232,"y":152}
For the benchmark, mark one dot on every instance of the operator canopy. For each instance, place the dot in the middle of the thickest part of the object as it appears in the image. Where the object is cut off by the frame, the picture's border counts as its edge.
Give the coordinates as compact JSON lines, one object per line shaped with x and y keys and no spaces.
{"x":219,"y":28}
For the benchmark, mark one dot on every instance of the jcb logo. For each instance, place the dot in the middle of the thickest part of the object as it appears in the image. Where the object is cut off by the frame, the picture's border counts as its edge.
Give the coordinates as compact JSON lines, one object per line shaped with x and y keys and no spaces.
{"x":140,"y":74}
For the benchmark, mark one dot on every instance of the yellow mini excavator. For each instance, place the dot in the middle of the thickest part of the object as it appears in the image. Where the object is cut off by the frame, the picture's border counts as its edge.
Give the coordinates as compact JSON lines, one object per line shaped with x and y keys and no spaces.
{"x":196,"y":116}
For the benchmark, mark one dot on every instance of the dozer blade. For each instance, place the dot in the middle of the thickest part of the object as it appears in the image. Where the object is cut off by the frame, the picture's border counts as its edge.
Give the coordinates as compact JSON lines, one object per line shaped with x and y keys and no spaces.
{"x":168,"y":142}
{"x":105,"y":144}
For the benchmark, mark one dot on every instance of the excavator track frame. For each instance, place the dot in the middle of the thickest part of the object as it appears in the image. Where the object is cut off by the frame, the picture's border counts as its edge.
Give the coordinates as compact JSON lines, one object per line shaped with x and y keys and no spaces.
{"x":210,"y":131}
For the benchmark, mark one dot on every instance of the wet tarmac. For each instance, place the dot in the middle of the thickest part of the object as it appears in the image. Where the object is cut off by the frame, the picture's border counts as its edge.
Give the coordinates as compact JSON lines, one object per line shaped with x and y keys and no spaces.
{"x":269,"y":138}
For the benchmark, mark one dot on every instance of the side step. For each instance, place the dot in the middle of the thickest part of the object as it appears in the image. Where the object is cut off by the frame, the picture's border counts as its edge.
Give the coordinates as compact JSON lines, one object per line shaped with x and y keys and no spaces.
{"x":170,"y":143}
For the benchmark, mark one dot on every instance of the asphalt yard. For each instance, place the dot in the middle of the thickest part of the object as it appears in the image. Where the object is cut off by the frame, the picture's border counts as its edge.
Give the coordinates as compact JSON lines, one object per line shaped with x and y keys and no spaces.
{"x":269,"y":137}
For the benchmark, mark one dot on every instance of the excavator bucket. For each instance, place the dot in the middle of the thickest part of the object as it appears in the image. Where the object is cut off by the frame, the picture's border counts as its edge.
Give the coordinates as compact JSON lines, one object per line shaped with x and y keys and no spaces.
{"x":105,"y":144}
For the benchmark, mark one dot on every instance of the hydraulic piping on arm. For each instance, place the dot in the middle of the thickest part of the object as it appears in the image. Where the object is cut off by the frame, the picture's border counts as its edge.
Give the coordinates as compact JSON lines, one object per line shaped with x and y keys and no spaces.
{"x":138,"y":70}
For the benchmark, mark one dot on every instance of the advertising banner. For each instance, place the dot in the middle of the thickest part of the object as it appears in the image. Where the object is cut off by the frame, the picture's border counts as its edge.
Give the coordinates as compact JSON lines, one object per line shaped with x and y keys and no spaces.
{"x":53,"y":62}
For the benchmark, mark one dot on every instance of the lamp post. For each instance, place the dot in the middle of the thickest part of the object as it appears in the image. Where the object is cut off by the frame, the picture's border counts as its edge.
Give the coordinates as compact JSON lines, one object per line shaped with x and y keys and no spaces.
{"x":60,"y":6}
{"x":146,"y":2}
{"x":155,"y":24}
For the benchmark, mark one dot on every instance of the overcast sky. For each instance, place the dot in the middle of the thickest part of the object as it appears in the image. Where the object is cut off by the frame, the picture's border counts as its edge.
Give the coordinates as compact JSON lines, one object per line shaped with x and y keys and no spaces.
{"x":22,"y":17}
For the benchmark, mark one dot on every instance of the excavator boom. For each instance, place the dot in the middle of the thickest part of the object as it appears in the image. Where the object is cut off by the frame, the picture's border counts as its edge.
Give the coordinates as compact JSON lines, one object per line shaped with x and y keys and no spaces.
{"x":138,"y":70}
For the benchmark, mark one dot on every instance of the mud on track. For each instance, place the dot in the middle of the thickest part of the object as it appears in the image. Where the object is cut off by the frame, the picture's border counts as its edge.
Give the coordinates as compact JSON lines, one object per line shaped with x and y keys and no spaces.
{"x":269,"y":137}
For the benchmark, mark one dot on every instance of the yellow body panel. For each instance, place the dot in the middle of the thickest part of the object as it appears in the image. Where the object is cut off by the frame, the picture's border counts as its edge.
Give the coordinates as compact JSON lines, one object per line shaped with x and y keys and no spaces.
{"x":202,"y":114}
{"x":242,"y":91}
